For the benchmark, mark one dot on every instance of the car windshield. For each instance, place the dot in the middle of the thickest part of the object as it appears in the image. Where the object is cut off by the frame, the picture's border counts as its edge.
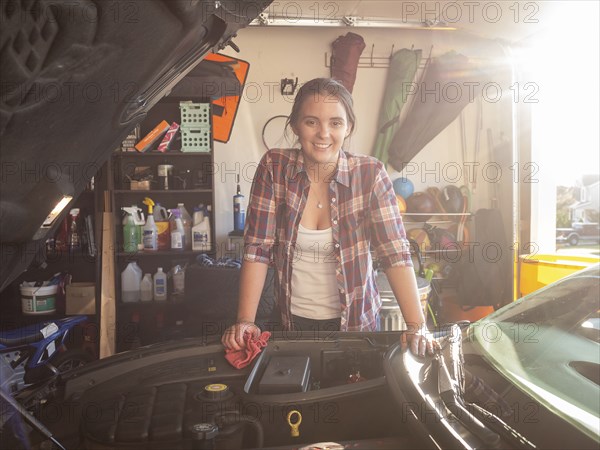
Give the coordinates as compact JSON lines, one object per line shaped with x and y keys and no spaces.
{"x":548,"y":344}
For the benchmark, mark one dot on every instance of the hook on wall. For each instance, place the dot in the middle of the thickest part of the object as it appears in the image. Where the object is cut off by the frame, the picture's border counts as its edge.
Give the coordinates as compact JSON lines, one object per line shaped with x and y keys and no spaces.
{"x":288,"y":86}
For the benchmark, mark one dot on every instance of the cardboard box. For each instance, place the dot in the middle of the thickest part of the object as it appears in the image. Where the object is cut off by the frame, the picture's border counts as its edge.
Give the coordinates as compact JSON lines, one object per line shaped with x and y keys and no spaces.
{"x":152,"y":137}
{"x":81,"y":298}
{"x":139,"y":185}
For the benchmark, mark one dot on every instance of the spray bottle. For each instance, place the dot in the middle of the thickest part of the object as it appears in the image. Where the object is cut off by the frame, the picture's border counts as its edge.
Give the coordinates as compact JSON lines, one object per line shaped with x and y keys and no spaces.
{"x":239,"y":208}
{"x":150,"y":232}
{"x":132,"y":229}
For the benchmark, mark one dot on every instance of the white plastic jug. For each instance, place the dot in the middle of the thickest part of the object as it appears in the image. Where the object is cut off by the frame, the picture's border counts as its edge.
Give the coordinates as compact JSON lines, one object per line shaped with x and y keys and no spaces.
{"x":161,"y":219}
{"x":160,"y":213}
{"x":177,"y":231}
{"x":187,"y":225}
{"x":137,"y":268}
{"x":201,"y":235}
{"x":147,"y":288}
{"x":131,"y":279}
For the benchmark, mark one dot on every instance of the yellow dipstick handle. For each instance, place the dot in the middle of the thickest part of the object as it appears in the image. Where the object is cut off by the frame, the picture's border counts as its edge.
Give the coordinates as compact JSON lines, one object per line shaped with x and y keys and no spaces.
{"x":295,"y":427}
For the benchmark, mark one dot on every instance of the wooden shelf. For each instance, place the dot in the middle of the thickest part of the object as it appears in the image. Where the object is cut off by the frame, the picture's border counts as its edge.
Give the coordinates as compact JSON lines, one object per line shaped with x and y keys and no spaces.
{"x":406,"y":215}
{"x":151,"y":304}
{"x":430,"y":222}
{"x":172,"y":253}
{"x":160,"y":191}
{"x":169,"y":154}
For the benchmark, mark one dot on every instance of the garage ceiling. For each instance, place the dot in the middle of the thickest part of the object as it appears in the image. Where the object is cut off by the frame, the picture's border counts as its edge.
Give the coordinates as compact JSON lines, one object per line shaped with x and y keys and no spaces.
{"x":510,"y":20}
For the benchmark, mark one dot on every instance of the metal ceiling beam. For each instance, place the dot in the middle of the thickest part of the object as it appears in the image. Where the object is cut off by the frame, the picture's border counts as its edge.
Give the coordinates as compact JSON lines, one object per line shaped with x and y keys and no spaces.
{"x":265,"y":20}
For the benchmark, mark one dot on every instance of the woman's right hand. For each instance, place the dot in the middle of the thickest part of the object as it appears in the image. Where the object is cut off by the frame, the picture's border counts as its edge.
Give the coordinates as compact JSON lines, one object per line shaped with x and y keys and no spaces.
{"x":233,"y":337}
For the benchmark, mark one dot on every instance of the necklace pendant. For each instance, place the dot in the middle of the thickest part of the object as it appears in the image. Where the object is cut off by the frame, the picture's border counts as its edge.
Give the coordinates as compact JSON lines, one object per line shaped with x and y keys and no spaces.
{"x":319,"y":205}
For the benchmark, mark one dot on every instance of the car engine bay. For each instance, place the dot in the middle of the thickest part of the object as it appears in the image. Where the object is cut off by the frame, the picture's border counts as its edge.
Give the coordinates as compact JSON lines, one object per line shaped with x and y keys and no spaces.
{"x":294,"y":393}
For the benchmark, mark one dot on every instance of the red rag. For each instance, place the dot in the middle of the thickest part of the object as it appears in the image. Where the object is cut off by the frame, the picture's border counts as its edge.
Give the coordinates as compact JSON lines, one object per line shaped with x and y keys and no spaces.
{"x":254,"y":345}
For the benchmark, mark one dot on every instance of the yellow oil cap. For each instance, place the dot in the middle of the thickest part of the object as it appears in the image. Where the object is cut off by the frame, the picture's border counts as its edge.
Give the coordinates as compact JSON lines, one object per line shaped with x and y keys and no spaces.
{"x":216,"y":391}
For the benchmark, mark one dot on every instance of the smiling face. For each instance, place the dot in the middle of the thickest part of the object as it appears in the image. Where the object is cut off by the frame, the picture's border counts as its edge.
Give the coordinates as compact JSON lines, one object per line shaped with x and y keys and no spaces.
{"x":322,"y":126}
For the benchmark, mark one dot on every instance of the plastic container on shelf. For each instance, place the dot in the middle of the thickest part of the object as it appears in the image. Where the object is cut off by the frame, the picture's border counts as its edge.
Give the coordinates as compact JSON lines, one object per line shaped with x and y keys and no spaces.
{"x":38,"y":300}
{"x":195,"y":139}
{"x":198,"y":215}
{"x":201,"y":234}
{"x":177,"y":230}
{"x":147,"y":288}
{"x":195,"y":114}
{"x":131,"y":279}
{"x":160,"y":285}
{"x":187,"y":225}
{"x":138,"y":269}
{"x":161,"y":219}
{"x":150,"y":231}
{"x":132,"y":229}
{"x":537,"y":271}
{"x":178,"y":280}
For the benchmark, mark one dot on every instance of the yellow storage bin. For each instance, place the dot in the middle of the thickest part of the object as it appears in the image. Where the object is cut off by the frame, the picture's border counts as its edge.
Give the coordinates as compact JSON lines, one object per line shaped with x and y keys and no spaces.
{"x":537,"y":271}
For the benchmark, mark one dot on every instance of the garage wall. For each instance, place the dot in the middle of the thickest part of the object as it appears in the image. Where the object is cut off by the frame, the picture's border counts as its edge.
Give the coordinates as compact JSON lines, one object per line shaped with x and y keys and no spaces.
{"x":276,"y":53}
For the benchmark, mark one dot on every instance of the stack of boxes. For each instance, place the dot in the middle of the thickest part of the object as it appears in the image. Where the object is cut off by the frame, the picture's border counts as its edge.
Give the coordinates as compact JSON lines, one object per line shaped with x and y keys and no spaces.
{"x":195,"y":127}
{"x":128,"y":144}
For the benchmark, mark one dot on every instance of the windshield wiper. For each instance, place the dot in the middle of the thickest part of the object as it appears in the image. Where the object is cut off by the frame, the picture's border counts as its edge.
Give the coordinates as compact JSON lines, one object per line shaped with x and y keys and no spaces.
{"x":508,"y":432}
{"x":451,"y":393}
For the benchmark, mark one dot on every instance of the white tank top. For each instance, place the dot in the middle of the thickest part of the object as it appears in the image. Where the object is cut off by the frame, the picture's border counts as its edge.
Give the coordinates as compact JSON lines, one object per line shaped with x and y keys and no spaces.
{"x":314,"y":286}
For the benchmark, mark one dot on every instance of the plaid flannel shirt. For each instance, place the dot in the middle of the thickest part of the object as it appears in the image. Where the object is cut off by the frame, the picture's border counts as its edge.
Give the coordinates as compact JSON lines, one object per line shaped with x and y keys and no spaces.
{"x":364,"y":217}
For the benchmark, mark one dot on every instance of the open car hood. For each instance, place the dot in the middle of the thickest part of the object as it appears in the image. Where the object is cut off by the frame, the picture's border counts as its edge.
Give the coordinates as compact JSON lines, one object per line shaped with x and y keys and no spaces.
{"x":76,"y":77}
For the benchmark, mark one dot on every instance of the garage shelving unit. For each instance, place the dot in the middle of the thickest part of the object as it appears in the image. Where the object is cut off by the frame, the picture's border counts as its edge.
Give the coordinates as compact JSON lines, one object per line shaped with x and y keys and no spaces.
{"x":143,"y":323}
{"x":79,"y":264}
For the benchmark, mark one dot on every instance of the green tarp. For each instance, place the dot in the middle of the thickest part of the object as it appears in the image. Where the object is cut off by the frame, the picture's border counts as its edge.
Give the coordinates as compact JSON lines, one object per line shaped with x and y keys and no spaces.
{"x":403,"y":66}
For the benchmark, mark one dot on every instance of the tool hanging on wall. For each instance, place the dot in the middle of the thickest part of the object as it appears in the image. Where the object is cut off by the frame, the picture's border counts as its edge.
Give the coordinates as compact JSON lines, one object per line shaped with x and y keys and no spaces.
{"x":346,"y":51}
{"x":494,"y":202}
{"x":288,"y":86}
{"x":460,"y":233}
{"x":274,"y":133}
{"x":478,"y":129}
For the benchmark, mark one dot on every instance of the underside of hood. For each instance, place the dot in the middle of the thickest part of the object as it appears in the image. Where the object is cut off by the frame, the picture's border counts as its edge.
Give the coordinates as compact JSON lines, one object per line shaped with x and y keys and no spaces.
{"x":76,"y":77}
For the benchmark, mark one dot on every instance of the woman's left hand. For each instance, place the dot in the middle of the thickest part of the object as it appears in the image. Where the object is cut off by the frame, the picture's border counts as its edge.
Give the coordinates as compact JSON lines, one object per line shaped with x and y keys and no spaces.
{"x":420,"y":341}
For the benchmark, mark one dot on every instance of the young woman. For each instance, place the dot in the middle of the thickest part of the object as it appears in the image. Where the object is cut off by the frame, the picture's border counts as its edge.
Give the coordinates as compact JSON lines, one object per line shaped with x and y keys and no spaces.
{"x":316,"y":213}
